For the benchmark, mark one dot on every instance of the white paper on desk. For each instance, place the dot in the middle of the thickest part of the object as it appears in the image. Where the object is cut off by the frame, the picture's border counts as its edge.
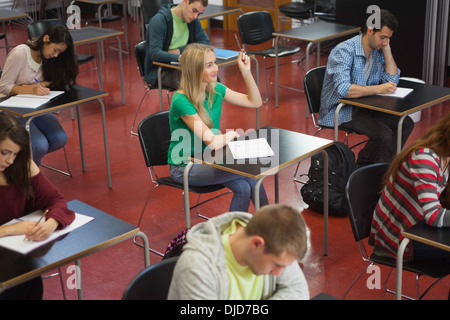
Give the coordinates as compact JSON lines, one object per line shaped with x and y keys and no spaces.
{"x":247,"y":149}
{"x":399,"y":93}
{"x":19,"y":244}
{"x":29,"y":101}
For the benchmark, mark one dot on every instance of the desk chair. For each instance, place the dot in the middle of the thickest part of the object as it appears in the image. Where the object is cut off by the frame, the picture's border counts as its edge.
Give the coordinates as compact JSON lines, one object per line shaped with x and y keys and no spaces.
{"x":91,"y":14}
{"x":362,"y":193}
{"x":148,"y":9}
{"x":35,"y":29}
{"x":139,"y":51}
{"x":312,"y":83}
{"x":257,"y":28}
{"x":153,"y":283}
{"x":154,"y":137}
{"x":295,"y":10}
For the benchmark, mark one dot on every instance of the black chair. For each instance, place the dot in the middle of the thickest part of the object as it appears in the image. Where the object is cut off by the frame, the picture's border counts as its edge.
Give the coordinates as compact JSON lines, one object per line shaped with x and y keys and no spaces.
{"x":90,"y":15}
{"x":257,"y":28}
{"x":325,"y":10}
{"x":154,"y":137}
{"x":312,"y":83}
{"x":362,"y":193}
{"x":148,"y":9}
{"x":295,"y":10}
{"x":36,"y":29}
{"x":153,"y":283}
{"x":139,"y":51}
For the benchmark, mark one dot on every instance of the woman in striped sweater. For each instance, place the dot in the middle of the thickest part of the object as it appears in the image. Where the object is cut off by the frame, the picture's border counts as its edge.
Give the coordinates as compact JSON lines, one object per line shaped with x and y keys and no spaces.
{"x":415,"y":190}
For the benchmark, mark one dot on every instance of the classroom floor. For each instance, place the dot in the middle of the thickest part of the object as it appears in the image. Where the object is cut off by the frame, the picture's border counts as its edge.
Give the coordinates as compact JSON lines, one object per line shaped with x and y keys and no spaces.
{"x":106,"y":273}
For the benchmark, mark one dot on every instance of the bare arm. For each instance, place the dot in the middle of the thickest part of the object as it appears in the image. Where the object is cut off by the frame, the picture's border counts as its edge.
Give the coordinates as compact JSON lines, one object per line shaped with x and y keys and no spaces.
{"x":34,"y":88}
{"x":201,"y":130}
{"x":253,"y":97}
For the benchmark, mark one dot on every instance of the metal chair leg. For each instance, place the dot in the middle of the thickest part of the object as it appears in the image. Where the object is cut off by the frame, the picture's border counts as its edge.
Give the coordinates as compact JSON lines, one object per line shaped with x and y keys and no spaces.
{"x":68,"y":173}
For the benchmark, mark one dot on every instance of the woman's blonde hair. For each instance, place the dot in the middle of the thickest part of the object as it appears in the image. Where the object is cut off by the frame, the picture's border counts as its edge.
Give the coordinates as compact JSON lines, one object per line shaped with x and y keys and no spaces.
{"x":192,"y":68}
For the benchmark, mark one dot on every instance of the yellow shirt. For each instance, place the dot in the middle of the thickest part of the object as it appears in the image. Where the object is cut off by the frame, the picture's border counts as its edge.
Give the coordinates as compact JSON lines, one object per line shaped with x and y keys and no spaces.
{"x":180,"y":35}
{"x":244,"y":284}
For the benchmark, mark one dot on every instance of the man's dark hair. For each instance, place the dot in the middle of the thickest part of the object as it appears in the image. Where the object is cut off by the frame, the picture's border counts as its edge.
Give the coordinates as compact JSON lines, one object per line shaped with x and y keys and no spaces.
{"x":387,"y":19}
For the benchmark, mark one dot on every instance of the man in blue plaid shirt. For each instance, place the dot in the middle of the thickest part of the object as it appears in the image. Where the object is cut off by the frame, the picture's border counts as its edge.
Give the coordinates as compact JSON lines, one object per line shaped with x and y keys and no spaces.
{"x":363,"y":66}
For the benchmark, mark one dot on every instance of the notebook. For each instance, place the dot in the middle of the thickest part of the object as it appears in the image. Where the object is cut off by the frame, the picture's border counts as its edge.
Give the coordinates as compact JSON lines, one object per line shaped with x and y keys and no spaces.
{"x":225,"y":54}
{"x":29,"y":101}
{"x":247,"y":149}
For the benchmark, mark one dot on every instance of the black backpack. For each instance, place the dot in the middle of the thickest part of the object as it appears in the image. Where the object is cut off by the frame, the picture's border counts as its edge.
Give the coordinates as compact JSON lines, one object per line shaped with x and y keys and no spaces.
{"x":341,"y":163}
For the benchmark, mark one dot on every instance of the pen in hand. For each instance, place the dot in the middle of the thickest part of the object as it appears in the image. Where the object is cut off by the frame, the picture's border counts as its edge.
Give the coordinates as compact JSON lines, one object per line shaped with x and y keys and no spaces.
{"x":37,"y":81}
{"x":43,"y":215}
{"x":37,"y":222}
{"x":41,"y":90}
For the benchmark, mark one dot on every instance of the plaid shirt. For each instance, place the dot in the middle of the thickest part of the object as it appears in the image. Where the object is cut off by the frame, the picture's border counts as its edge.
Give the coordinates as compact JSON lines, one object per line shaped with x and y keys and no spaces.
{"x":346,"y":67}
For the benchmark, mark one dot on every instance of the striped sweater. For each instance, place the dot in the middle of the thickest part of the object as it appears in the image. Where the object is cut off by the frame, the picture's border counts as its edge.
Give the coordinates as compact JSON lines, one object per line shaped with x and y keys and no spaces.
{"x":415,"y":197}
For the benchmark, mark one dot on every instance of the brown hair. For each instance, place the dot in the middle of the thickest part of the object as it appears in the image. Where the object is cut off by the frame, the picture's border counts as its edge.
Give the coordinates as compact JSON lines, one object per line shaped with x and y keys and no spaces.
{"x":282,"y":227}
{"x":437,"y":138}
{"x":204,"y":2}
{"x":19,"y":172}
{"x":387,"y":19}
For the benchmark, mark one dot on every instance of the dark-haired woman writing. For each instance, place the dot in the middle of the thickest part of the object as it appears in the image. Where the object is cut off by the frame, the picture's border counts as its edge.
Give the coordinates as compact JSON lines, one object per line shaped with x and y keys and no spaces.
{"x":24,"y":189}
{"x":51,"y":61}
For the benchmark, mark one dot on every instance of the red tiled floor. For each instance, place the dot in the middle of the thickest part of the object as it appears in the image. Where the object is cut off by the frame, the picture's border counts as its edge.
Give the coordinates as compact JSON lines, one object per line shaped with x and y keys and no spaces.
{"x":107,"y":272}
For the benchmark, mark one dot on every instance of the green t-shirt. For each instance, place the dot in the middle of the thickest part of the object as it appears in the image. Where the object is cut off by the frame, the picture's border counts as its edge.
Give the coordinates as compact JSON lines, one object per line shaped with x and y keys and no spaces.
{"x":184,"y":143}
{"x":180,"y":35}
{"x":244,"y":284}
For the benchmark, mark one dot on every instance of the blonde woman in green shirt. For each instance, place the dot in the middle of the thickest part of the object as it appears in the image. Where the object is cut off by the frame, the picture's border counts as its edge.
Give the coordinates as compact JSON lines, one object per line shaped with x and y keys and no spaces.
{"x":194,"y":116}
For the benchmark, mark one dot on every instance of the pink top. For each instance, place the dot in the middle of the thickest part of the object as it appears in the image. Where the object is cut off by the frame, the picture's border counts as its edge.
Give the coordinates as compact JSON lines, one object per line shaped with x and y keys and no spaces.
{"x":13,"y":204}
{"x":19,"y":69}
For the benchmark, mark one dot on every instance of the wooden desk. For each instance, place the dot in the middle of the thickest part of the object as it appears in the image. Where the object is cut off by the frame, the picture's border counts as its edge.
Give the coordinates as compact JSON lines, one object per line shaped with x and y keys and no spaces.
{"x":423,"y":96}
{"x":312,"y":33}
{"x":100,"y":233}
{"x":220,"y":63}
{"x":73,"y":98}
{"x":436,"y":237}
{"x":94,"y":34}
{"x":289,"y":147}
